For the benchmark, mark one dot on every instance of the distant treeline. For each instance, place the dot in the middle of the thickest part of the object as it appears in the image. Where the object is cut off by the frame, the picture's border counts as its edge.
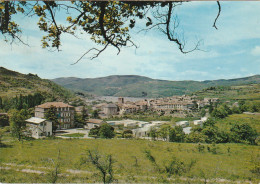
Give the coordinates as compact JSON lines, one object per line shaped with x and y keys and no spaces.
{"x":21,"y":102}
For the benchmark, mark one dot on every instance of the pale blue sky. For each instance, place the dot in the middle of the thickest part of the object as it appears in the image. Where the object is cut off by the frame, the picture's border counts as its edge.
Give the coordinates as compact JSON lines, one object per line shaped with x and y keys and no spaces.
{"x":231,"y":51}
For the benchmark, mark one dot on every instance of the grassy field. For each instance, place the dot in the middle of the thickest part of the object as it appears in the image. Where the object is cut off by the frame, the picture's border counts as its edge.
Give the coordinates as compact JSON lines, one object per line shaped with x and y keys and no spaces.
{"x":232,"y":93}
{"x":74,"y":135}
{"x":232,"y":161}
{"x":252,"y":120}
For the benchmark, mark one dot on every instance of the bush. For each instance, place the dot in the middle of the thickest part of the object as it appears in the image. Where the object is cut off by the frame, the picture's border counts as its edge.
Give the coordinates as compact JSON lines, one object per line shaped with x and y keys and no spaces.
{"x":127,"y":134}
{"x":106,"y":131}
{"x":243,"y":133}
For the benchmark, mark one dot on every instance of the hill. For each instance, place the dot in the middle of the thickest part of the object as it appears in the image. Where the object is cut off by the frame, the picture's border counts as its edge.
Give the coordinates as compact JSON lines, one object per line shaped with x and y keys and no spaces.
{"x":13,"y":83}
{"x":139,"y":86}
{"x":249,"y":92}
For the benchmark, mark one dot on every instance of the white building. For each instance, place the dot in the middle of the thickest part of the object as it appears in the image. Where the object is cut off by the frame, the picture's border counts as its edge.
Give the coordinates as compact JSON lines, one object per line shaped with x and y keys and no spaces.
{"x":93,"y":123}
{"x":198,"y":122}
{"x":39,"y":127}
{"x":182,"y":123}
{"x":187,"y":130}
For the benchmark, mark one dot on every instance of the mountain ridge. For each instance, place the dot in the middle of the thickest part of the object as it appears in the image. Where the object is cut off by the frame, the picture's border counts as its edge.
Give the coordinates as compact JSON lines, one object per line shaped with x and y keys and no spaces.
{"x":140,"y":86}
{"x":13,"y":83}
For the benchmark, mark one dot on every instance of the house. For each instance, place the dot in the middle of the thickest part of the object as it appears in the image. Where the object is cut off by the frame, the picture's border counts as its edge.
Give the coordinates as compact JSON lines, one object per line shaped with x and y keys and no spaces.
{"x":39,"y":127}
{"x":187,"y":130}
{"x":110,"y":109}
{"x":142,"y":132}
{"x":93,"y":123}
{"x":182,"y":123}
{"x":64,"y":112}
{"x":198,"y":122}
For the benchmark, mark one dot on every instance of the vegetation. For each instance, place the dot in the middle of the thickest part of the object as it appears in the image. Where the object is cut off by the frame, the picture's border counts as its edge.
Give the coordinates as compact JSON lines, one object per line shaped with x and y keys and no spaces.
{"x":233,"y":93}
{"x":104,"y":131}
{"x":74,"y":135}
{"x":137,"y":86}
{"x":51,"y":116}
{"x":17,"y":123}
{"x":104,"y":163}
{"x":232,"y":162}
{"x":33,"y":89}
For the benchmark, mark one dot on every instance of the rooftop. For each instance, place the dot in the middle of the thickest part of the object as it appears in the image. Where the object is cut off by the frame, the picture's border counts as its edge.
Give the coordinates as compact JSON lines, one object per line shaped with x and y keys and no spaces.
{"x":55,"y":104}
{"x":95,"y":121}
{"x":35,"y":120}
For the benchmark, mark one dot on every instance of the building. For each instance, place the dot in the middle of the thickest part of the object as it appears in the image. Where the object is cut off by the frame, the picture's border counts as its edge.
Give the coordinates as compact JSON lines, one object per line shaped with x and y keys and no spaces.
{"x":93,"y":123}
{"x":39,"y":127}
{"x":198,"y":122}
{"x":120,"y":100}
{"x":65,"y":113}
{"x":187,"y":130}
{"x":182,"y":123}
{"x":110,"y":109}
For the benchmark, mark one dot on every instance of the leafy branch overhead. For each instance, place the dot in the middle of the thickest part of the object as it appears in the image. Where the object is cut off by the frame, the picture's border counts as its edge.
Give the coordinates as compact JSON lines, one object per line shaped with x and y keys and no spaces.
{"x":108,"y":23}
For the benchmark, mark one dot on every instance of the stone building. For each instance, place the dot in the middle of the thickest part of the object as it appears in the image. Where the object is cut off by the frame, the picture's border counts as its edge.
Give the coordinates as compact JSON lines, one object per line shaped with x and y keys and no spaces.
{"x":65,"y":113}
{"x":38,"y":127}
{"x":110,"y":109}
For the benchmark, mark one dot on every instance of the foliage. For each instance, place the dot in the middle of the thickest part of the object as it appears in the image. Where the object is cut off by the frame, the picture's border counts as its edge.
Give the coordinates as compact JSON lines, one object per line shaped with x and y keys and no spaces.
{"x":243,"y":133}
{"x":153,"y":133}
{"x":255,"y":164}
{"x":32,"y":154}
{"x":17,"y":122}
{"x":94,"y":132}
{"x":22,"y":102}
{"x":173,"y":167}
{"x":25,"y":91}
{"x":51,"y":115}
{"x":53,"y":174}
{"x":127,"y":134}
{"x":133,"y":86}
{"x":104,"y":163}
{"x":106,"y":131}
{"x":95,"y":114}
{"x":74,"y":135}
{"x":4,"y":120}
{"x":164,"y":131}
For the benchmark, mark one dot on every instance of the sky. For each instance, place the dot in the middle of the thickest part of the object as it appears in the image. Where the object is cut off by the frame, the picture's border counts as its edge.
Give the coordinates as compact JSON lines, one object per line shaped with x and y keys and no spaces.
{"x":232,"y":51}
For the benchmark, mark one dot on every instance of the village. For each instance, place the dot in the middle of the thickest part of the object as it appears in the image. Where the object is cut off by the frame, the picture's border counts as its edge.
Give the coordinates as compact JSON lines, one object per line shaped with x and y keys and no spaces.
{"x":176,"y":106}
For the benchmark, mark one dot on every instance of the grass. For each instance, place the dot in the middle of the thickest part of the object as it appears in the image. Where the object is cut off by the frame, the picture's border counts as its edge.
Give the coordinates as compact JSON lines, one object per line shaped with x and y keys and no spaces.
{"x":74,"y":135}
{"x":233,"y":165}
{"x":252,"y":120}
{"x":232,"y":93}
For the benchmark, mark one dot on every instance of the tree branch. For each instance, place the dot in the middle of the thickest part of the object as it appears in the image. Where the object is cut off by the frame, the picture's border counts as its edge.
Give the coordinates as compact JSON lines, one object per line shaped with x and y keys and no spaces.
{"x":219,"y":10}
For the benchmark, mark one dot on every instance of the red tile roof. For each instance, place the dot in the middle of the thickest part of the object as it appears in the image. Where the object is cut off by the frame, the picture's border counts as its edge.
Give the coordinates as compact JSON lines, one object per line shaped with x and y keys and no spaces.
{"x":55,"y":104}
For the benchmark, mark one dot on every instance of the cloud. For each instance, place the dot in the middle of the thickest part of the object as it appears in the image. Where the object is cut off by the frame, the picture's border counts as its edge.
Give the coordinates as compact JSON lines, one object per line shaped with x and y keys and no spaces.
{"x":256,"y":51}
{"x":227,"y":49}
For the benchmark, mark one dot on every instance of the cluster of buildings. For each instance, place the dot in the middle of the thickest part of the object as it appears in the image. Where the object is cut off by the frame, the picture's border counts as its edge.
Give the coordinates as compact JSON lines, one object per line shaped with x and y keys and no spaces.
{"x":38,"y":126}
{"x":65,"y":113}
{"x":170,"y":105}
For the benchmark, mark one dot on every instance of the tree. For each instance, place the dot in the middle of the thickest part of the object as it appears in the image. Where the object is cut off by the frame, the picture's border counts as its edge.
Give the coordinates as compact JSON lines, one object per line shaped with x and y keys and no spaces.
{"x":84,"y":113}
{"x":203,"y":112}
{"x":243,"y":132}
{"x":104,"y":163}
{"x":53,"y":174}
{"x":179,"y":134}
{"x":164,"y":131}
{"x":17,"y":122}
{"x":51,"y":115}
{"x":108,"y":23}
{"x":106,"y":131}
{"x":95,"y":114}
{"x":153,"y":133}
{"x":127,"y":134}
{"x":94,"y":132}
{"x":4,"y":120}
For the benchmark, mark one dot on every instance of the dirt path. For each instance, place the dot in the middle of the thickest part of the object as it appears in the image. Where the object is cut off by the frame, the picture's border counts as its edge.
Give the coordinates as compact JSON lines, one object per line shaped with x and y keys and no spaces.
{"x":9,"y":166}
